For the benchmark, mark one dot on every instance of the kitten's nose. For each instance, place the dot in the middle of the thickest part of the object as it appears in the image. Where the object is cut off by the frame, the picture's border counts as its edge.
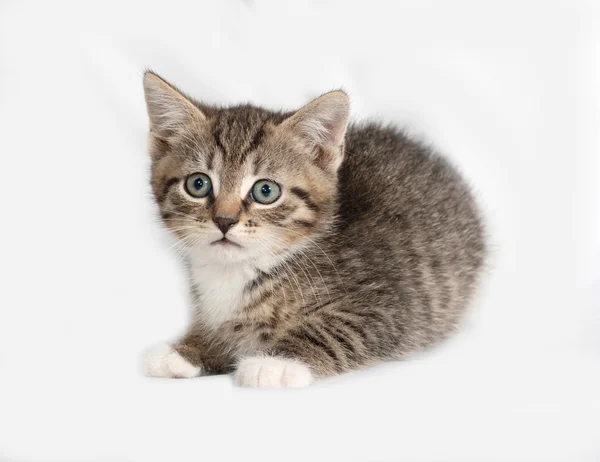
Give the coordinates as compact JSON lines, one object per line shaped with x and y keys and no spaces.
{"x":224,"y":223}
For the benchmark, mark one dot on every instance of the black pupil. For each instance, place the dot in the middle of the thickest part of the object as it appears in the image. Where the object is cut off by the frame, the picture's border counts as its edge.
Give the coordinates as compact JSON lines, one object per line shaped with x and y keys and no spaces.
{"x":265,"y":190}
{"x":198,"y":183}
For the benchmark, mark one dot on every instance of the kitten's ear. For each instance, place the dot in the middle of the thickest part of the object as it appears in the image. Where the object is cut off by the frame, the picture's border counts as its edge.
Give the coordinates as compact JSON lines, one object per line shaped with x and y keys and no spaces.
{"x":323,"y":125}
{"x":169,"y":110}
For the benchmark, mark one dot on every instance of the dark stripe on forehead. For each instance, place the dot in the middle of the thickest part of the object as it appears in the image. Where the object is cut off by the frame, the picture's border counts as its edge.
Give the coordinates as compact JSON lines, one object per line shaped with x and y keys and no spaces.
{"x":305,"y":196}
{"x":219,"y":142}
{"x":256,"y":139}
{"x":210,"y":159}
{"x":238,"y":131}
{"x":253,"y":145}
{"x":258,"y":164}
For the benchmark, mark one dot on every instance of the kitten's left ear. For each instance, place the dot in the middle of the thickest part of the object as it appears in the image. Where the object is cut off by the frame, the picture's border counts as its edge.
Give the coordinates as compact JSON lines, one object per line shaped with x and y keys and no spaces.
{"x":169,"y":110}
{"x":323,"y":125}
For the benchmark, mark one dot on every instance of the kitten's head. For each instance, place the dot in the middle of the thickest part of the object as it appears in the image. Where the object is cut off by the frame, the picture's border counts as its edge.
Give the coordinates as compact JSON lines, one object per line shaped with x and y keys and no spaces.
{"x":244,"y":183}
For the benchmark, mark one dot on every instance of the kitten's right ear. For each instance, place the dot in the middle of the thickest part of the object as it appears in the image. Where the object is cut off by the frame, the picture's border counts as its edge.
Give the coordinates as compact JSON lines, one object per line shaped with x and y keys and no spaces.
{"x":169,"y":110}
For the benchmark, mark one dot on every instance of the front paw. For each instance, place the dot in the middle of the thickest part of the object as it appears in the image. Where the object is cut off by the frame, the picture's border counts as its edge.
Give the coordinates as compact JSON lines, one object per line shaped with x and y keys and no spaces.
{"x":272,"y":372}
{"x":163,"y":361}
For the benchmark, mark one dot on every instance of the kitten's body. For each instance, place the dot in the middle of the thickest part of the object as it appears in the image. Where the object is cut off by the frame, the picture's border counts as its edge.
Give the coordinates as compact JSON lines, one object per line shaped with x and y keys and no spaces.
{"x":369,"y":258}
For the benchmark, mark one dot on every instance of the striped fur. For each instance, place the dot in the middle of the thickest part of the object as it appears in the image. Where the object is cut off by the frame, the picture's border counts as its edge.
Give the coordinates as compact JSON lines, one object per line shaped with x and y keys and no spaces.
{"x":373,"y":251}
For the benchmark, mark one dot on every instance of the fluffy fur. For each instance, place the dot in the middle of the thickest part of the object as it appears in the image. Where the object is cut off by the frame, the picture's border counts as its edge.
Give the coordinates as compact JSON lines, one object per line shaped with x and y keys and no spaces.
{"x":372,"y":251}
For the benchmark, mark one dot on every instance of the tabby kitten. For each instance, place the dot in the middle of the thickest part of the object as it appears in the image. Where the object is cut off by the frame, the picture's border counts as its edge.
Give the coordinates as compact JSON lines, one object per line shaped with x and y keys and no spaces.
{"x":312,"y":247}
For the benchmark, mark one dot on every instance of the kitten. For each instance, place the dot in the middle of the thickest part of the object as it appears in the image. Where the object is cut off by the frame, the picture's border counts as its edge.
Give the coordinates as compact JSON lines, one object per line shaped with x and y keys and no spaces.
{"x":312,"y":247}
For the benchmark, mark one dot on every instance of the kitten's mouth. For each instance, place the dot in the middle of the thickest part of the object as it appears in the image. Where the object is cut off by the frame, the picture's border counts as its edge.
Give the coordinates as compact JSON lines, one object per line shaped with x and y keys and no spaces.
{"x":224,"y":242}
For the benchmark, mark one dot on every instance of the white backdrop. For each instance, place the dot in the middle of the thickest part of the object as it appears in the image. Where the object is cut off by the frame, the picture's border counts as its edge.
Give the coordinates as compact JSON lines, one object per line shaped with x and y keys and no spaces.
{"x":509,"y":90}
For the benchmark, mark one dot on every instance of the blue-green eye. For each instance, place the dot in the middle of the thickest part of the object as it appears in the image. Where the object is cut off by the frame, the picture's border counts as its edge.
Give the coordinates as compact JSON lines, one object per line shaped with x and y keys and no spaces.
{"x":198,"y":185}
{"x":265,"y":192}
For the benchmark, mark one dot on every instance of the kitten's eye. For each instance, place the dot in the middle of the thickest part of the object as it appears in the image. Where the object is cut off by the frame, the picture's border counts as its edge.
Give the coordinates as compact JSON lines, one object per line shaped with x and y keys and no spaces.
{"x":198,"y":185}
{"x":265,"y":192}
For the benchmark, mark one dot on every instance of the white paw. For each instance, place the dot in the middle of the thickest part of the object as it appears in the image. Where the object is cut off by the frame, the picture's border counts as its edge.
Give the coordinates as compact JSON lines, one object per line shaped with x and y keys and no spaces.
{"x":164,"y":361}
{"x":272,"y":372}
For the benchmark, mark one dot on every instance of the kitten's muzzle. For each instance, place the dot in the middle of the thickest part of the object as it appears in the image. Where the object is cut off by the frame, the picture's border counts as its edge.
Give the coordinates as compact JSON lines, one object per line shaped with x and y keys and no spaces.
{"x":225,"y":223}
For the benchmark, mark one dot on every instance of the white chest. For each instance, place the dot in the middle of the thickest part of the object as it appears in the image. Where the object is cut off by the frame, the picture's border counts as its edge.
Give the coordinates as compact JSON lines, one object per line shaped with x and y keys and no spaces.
{"x":220,"y":291}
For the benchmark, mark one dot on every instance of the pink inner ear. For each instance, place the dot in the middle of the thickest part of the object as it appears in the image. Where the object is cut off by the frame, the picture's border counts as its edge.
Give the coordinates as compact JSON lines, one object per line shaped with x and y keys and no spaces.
{"x":322,"y":157}
{"x":323,"y":124}
{"x":328,"y":157}
{"x":334,"y":132}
